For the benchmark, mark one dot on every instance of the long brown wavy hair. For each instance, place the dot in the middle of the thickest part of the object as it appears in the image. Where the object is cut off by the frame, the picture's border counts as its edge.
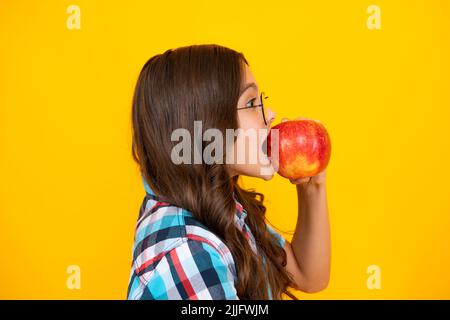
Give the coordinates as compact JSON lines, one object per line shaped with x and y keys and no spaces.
{"x":203,"y":83}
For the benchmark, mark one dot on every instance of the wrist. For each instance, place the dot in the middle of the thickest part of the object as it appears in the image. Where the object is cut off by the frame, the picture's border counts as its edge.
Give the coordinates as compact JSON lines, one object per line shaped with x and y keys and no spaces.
{"x":311,"y":189}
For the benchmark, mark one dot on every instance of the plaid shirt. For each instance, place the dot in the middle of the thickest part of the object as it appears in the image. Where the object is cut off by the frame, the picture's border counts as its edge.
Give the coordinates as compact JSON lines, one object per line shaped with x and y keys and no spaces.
{"x":176,"y":257}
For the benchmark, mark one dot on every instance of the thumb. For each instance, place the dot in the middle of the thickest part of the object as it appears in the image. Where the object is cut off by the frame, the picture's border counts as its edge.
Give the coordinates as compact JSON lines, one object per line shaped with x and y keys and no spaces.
{"x":284,"y":119}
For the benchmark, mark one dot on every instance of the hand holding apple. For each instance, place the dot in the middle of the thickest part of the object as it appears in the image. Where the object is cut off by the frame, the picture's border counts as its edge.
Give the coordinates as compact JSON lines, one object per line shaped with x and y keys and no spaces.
{"x":304,"y":149}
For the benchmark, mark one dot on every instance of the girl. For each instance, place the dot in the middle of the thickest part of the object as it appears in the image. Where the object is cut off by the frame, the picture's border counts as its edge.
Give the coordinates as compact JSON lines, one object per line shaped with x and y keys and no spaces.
{"x":200,"y":235}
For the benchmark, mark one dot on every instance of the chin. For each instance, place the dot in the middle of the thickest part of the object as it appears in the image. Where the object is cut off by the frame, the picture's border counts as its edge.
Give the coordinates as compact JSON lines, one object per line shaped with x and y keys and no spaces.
{"x":257,"y":171}
{"x":267,"y":178}
{"x":266,"y":173}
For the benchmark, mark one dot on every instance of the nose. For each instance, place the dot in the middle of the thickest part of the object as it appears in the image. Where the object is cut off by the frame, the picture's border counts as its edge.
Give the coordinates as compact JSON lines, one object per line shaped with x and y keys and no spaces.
{"x":270,"y":116}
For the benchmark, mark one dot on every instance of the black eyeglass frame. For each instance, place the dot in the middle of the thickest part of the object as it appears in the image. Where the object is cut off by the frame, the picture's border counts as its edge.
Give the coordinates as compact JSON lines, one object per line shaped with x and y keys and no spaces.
{"x":261,"y":98}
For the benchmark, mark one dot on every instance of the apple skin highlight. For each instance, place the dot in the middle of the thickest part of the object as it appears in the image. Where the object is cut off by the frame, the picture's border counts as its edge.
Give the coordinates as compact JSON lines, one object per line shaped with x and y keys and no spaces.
{"x":304,"y":148}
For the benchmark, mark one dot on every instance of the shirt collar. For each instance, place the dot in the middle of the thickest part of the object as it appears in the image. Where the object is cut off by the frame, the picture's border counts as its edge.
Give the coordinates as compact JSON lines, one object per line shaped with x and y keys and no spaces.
{"x":147,"y":187}
{"x":241,"y":213}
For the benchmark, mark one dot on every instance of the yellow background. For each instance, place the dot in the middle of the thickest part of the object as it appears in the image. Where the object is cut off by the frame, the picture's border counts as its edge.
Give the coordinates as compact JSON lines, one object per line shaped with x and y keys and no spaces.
{"x":70,"y":192}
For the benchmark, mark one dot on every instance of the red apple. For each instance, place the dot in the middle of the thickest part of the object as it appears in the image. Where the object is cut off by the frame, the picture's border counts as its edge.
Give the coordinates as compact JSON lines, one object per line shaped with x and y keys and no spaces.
{"x":304,"y":148}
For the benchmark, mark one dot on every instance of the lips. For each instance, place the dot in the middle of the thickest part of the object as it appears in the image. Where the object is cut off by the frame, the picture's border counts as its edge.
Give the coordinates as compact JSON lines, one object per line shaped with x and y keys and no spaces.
{"x":264,"y":146}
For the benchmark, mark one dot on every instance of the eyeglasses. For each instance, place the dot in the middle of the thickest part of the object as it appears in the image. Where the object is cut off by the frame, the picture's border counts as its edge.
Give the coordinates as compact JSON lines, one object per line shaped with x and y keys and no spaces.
{"x":261,"y":98}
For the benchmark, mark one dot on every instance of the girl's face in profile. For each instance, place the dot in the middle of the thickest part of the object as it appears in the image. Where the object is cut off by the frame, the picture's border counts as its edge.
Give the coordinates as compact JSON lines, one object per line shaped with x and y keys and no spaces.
{"x":251,"y":122}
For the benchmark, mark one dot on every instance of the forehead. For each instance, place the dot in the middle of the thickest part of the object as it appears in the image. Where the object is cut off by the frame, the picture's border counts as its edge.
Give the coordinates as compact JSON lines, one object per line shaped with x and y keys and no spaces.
{"x":249,"y":78}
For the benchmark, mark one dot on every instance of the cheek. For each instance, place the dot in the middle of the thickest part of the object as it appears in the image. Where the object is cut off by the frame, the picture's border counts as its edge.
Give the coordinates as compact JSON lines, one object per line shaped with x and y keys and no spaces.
{"x":252,"y":123}
{"x":250,"y":119}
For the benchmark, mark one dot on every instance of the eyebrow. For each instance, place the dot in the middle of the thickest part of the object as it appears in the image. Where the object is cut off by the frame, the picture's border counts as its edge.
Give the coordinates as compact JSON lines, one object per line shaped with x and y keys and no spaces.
{"x":247,"y":86}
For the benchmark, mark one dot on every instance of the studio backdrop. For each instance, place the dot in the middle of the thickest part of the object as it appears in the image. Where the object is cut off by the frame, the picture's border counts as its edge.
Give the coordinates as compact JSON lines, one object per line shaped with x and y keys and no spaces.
{"x":376,"y":74}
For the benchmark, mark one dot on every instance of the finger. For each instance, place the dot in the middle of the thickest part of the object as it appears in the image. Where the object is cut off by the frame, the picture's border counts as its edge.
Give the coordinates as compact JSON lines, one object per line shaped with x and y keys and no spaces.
{"x":300,"y":180}
{"x":284,"y":119}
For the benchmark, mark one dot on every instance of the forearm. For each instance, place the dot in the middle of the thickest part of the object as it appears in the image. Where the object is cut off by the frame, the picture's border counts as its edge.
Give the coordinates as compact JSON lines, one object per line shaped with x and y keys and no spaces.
{"x":311,"y":241}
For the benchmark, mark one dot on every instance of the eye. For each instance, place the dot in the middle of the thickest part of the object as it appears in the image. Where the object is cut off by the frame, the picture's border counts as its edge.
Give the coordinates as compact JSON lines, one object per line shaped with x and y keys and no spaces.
{"x":250,"y":104}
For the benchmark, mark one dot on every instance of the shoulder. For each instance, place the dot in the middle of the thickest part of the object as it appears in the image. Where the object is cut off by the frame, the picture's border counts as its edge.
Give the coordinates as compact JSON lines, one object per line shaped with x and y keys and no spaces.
{"x":192,"y":270}
{"x":162,"y":227}
{"x":170,"y":244}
